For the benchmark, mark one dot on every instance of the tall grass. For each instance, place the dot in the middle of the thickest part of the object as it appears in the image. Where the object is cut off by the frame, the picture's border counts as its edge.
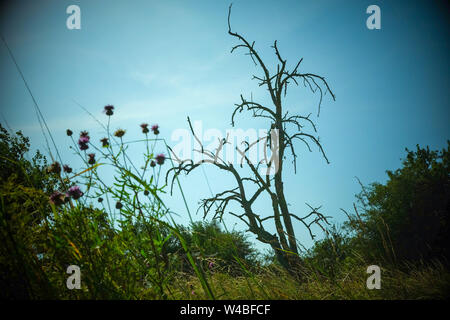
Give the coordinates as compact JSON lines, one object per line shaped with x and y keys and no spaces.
{"x":275,"y":283}
{"x":136,"y":194}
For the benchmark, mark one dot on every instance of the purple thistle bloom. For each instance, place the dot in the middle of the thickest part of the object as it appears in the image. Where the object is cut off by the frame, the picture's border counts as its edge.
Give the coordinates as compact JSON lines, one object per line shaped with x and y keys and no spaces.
{"x":109,"y":110}
{"x":55,"y":167}
{"x":84,"y":134}
{"x":144,"y":128}
{"x":152,"y":164}
{"x":155,"y":129}
{"x":67,"y":169}
{"x":83,"y":139}
{"x":104,"y":142}
{"x":160,"y":158}
{"x":75,"y":192}
{"x":119,"y":133}
{"x":91,"y":158}
{"x":57,"y":198}
{"x":82,"y":142}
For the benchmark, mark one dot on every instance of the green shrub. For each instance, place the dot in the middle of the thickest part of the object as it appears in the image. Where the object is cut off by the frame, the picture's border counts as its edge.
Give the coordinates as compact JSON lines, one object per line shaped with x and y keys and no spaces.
{"x":23,"y":209}
{"x":407,"y":218}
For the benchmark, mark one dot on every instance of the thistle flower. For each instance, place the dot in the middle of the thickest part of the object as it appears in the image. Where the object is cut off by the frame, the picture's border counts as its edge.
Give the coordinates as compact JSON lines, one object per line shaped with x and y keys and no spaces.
{"x":109,"y":110}
{"x":83,"y":141}
{"x":155,"y":129}
{"x":57,"y":198}
{"x":119,"y":205}
{"x":91,"y":158}
{"x":144,"y":128}
{"x":84,"y":134}
{"x":210,"y":265}
{"x":160,"y":158}
{"x":146,"y":192}
{"x":104,"y":142}
{"x":75,"y":192}
{"x":100,"y":199}
{"x":69,"y":132}
{"x":67,"y":169}
{"x":55,"y":167}
{"x":119,"y":133}
{"x":152,"y":164}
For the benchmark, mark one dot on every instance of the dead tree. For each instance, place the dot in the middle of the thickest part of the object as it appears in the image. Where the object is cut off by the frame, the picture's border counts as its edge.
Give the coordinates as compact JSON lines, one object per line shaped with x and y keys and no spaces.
{"x":280,"y":139}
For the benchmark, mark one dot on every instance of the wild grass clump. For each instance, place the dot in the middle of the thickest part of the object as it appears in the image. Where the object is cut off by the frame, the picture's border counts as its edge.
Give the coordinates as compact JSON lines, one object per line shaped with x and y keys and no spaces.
{"x":116,"y":230}
{"x":426,"y":282}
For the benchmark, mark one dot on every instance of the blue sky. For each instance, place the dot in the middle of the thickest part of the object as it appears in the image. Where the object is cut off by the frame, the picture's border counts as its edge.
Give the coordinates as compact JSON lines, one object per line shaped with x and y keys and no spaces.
{"x":161,"y":61}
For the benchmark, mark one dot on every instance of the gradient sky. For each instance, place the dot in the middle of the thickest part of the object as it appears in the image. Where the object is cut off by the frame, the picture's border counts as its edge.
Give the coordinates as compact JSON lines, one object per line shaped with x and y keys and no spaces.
{"x":161,"y":61}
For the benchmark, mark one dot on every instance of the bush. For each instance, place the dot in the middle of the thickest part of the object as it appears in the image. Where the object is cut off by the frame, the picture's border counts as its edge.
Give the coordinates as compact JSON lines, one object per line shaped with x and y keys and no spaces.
{"x":407,"y":218}
{"x":217,"y":249}
{"x":24,"y":206}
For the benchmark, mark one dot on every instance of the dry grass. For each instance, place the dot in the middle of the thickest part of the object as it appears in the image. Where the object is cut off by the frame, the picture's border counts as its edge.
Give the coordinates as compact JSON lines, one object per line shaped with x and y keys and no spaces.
{"x":273,"y":284}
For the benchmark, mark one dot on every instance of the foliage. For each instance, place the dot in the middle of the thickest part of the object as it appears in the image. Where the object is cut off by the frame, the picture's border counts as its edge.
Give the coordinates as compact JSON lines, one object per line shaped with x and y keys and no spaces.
{"x":136,"y":255}
{"x":120,"y":248}
{"x":13,"y":160}
{"x":407,"y":218}
{"x":220,"y":250}
{"x":330,"y":254}
{"x":275,"y":283}
{"x":401,"y":225}
{"x":23,"y":207}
